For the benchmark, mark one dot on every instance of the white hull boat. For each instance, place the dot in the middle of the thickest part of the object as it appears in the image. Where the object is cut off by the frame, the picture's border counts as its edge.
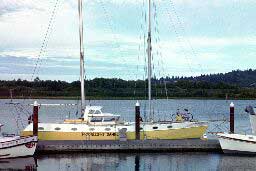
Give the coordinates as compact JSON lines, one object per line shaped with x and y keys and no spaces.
{"x":16,"y":146}
{"x":237,"y":143}
{"x":12,"y":146}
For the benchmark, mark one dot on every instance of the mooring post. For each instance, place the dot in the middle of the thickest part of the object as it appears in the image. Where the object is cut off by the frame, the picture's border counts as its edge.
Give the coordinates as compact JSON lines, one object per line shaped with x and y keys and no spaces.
{"x":137,"y":120}
{"x":35,"y":119}
{"x":232,"y":116}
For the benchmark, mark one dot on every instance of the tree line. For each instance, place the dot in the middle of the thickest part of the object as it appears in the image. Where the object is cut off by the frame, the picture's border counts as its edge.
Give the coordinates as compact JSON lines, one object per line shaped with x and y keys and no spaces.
{"x":235,"y":84}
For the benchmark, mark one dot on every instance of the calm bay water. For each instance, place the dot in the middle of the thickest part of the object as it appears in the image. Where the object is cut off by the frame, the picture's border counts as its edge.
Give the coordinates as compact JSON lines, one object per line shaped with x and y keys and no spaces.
{"x":14,"y":117}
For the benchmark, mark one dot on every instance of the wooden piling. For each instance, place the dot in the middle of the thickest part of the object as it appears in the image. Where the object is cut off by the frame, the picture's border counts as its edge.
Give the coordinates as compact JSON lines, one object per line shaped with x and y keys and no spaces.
{"x":232,"y":118}
{"x":35,"y":119}
{"x":137,"y":120}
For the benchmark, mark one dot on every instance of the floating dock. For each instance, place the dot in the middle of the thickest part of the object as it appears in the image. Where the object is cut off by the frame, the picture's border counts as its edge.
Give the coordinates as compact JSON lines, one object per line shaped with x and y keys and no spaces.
{"x":187,"y":145}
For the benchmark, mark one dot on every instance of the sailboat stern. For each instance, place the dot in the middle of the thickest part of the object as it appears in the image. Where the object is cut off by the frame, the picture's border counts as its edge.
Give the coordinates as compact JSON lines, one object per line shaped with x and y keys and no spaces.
{"x":186,"y":130}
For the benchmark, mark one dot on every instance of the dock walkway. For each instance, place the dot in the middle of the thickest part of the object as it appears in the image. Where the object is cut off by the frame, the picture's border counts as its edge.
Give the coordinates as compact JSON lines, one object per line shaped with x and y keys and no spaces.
{"x":195,"y":145}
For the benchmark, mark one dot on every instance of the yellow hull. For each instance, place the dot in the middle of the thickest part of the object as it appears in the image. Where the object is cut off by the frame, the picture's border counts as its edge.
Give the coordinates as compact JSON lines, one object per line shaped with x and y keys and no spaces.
{"x":182,"y":133}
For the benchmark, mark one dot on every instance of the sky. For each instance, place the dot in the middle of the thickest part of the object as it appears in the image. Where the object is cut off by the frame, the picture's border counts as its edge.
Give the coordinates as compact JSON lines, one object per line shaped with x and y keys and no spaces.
{"x":189,"y":38}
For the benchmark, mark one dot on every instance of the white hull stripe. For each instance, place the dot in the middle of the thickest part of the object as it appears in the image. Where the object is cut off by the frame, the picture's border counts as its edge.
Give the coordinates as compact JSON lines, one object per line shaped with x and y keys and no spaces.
{"x":18,"y":145}
{"x":236,"y":139}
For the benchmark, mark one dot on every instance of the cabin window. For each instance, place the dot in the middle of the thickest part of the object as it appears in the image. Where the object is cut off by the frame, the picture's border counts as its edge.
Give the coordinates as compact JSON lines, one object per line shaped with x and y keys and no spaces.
{"x":97,"y":112}
{"x":74,"y":129}
{"x":109,"y":119}
{"x":96,"y":119}
{"x":107,"y":129}
{"x":57,"y":129}
{"x":91,"y":112}
{"x":91,"y":129}
{"x":155,"y":127}
{"x":170,"y":126}
{"x":40,"y":128}
{"x":250,"y":138}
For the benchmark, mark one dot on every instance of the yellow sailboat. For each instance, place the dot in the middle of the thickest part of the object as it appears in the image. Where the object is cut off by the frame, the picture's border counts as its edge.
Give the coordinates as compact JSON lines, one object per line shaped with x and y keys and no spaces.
{"x":97,"y":125}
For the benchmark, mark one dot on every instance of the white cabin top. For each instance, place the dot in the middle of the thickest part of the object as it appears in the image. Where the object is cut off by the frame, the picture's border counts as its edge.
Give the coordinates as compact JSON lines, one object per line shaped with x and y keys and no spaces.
{"x":94,"y":111}
{"x":94,"y":115}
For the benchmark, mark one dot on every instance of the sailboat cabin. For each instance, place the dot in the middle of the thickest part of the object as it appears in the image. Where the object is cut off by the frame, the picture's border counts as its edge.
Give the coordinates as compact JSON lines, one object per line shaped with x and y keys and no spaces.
{"x":94,"y":115}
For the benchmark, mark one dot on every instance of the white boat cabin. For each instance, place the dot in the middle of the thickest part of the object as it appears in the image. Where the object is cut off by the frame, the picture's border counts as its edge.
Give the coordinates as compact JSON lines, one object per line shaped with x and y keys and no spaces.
{"x":94,"y":115}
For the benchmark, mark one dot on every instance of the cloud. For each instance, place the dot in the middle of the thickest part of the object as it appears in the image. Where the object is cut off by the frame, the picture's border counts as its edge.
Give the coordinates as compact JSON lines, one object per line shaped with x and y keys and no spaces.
{"x":112,"y":31}
{"x":103,"y":60}
{"x":11,"y":6}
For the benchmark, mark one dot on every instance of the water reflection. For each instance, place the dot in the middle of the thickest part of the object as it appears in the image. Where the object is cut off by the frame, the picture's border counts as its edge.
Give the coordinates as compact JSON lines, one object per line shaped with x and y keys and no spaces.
{"x":27,"y":164}
{"x":238,"y":163}
{"x":137,"y":163}
{"x":125,"y":161}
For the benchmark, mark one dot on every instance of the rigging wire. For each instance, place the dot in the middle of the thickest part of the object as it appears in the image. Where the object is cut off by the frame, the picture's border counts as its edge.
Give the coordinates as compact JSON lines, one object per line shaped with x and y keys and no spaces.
{"x":141,"y":51}
{"x":181,"y":24}
{"x":53,"y":18}
{"x":159,"y":52}
{"x":16,"y":121}
{"x":45,"y":40}
{"x":112,"y":29}
{"x":179,"y":37}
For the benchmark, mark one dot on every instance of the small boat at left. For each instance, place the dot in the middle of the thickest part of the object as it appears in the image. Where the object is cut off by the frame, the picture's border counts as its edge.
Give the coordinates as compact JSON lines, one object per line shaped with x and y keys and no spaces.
{"x":12,"y":146}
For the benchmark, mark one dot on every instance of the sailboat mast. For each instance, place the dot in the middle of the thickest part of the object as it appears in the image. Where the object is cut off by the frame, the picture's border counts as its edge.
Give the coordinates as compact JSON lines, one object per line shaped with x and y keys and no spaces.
{"x":149,"y":60}
{"x":82,"y":75}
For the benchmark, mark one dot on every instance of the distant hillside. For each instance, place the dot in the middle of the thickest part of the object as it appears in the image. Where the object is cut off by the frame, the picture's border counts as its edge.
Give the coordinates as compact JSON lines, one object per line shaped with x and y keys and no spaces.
{"x":235,"y":84}
{"x":245,"y":78}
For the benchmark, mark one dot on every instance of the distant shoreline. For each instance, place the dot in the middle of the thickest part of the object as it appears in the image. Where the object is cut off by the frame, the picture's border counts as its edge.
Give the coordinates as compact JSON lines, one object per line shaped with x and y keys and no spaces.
{"x":121,"y":98}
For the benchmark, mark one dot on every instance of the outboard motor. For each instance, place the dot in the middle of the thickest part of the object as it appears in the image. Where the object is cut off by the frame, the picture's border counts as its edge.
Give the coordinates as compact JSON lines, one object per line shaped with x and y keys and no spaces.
{"x":250,"y":110}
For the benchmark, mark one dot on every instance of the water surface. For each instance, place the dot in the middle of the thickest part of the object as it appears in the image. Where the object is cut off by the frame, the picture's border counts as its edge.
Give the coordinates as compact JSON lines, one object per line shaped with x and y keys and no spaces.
{"x":14,"y":117}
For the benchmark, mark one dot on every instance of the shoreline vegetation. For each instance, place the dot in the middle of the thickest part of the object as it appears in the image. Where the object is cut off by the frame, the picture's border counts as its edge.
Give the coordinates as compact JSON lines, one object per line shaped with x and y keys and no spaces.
{"x":119,"y":98}
{"x":233,"y":85}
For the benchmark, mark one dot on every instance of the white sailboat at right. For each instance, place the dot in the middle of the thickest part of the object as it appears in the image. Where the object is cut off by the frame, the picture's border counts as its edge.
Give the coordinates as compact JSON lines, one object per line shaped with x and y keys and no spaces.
{"x":239,"y":143}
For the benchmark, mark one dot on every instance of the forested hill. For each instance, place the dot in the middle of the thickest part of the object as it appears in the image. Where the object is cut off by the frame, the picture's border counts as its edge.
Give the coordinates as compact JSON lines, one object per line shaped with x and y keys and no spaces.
{"x":245,"y":78}
{"x":235,"y":84}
